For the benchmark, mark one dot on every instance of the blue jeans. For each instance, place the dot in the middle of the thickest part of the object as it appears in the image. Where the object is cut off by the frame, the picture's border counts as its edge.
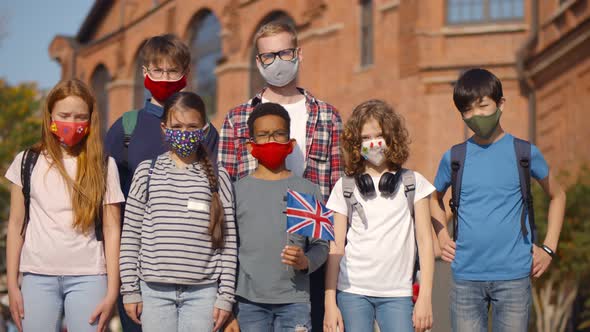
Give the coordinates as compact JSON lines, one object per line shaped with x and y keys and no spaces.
{"x":359,"y":312}
{"x":261,"y":317}
{"x":46,"y":298}
{"x":126,"y":323}
{"x":171,"y":307}
{"x":510,"y":301}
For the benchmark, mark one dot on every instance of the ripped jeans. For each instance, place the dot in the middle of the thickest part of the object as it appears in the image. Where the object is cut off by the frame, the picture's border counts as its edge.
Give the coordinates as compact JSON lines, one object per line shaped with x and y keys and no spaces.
{"x":263,"y":317}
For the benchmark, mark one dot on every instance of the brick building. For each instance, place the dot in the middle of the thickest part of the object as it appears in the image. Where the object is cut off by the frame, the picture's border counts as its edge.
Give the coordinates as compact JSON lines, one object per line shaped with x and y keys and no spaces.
{"x":555,"y":69}
{"x":407,"y":52}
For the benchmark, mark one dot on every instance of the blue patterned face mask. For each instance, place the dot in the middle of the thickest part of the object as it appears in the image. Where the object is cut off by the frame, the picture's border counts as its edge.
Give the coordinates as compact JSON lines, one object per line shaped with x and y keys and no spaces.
{"x":183,"y":142}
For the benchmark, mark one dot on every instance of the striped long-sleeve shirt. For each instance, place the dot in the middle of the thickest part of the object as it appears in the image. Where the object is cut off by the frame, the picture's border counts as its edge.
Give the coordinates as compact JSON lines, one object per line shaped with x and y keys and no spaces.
{"x":165,"y":233}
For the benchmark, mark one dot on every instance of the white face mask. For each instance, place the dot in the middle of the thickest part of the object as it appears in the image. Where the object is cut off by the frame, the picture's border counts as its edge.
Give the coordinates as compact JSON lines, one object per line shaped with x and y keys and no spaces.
{"x":374,"y":151}
{"x":280,"y":72}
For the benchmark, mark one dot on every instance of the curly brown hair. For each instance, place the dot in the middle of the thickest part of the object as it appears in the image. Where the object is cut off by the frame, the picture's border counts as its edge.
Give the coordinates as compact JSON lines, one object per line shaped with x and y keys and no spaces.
{"x":394,"y":131}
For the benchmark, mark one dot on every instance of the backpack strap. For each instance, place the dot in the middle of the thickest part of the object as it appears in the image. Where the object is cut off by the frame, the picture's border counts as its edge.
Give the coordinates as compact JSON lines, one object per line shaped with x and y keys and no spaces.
{"x":348,"y":185}
{"x":409,"y":181}
{"x":458,"y":153}
{"x":522,"y":149}
{"x":27,"y":164}
{"x":129,"y":123}
{"x":147,"y":185}
{"x":98,"y":221}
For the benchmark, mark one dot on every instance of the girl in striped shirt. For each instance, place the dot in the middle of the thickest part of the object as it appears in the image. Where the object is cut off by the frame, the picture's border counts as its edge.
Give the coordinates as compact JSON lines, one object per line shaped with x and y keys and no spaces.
{"x":179,"y":246}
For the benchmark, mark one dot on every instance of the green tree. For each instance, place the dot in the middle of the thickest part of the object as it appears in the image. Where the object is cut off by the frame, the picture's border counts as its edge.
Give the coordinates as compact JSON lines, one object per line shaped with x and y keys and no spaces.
{"x":555,"y":292}
{"x":20,"y":127}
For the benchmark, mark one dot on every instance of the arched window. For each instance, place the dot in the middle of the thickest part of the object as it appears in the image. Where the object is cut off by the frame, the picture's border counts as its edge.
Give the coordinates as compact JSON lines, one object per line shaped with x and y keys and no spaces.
{"x":140,"y":93}
{"x":205,"y":44}
{"x":99,"y":80}
{"x":256,"y":80}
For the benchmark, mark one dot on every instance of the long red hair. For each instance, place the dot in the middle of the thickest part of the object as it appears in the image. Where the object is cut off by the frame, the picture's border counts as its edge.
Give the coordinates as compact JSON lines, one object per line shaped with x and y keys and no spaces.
{"x":89,"y":186}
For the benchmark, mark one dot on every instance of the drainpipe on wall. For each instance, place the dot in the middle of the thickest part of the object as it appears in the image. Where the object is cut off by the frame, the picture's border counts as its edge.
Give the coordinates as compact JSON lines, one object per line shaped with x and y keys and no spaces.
{"x":526,"y":83}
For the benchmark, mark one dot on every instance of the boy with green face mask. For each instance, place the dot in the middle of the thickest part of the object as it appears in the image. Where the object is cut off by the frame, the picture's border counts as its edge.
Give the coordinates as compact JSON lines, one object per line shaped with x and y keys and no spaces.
{"x":493,"y":252}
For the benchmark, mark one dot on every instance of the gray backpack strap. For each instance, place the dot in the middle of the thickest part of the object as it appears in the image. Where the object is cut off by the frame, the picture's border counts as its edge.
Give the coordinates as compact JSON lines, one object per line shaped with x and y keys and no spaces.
{"x":409,"y":181}
{"x":348,"y":185}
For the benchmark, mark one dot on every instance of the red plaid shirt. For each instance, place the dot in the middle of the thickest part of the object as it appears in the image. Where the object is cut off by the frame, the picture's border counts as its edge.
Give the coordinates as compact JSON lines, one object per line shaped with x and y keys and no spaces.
{"x":322,"y":157}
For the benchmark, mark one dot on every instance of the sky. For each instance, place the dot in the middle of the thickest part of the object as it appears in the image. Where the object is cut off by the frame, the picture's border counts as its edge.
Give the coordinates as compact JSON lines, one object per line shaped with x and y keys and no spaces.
{"x":26,"y":29}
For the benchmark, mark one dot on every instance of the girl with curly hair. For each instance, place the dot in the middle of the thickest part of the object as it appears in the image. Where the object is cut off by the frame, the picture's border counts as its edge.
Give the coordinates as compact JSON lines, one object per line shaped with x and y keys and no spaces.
{"x":371,"y":263}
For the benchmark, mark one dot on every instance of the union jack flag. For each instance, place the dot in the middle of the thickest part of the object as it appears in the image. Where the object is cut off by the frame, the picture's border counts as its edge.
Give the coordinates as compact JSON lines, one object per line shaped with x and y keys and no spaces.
{"x":308,"y":217}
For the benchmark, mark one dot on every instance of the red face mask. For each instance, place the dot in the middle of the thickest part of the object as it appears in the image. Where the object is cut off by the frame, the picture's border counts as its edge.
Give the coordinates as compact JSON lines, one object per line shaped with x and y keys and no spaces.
{"x":69,"y":133}
{"x":161,"y":90}
{"x":272,"y":154}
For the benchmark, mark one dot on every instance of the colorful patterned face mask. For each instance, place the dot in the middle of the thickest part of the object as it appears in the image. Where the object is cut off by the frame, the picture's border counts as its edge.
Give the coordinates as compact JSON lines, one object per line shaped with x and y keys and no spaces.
{"x":183,"y":142}
{"x":374,"y":151}
{"x":69,"y":133}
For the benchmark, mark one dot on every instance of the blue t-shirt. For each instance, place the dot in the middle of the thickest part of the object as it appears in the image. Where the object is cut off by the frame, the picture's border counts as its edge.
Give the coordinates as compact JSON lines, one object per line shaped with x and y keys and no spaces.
{"x":490,"y":243}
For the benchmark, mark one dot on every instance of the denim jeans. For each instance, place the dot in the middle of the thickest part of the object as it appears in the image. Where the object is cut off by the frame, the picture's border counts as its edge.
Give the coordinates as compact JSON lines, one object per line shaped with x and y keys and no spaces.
{"x":47,"y":297}
{"x":510,"y":301}
{"x":126,"y":323}
{"x":171,"y":307}
{"x":261,"y":317}
{"x":359,"y":312}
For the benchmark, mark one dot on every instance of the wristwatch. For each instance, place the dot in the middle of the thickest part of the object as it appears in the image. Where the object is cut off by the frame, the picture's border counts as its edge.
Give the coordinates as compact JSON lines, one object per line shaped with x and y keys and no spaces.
{"x":548,"y":250}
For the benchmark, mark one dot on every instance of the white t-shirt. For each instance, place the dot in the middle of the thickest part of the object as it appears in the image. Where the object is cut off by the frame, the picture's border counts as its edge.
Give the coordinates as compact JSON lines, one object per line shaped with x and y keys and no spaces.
{"x":379,"y":257}
{"x":298,"y":114}
{"x":52,"y":246}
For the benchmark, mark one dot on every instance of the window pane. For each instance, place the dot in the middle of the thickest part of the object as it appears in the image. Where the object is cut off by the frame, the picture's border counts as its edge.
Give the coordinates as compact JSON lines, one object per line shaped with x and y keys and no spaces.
{"x":465,"y":11}
{"x":474,"y":11}
{"x":506,"y":9}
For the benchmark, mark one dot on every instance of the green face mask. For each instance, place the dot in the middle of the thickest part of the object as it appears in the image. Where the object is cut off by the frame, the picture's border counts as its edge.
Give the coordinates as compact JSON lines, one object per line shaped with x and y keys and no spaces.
{"x":484,"y":125}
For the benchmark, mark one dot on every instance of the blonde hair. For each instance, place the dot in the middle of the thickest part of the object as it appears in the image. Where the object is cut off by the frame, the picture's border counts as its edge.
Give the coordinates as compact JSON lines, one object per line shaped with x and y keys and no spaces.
{"x":88,"y":188}
{"x":274,"y":28}
{"x":393,"y":130}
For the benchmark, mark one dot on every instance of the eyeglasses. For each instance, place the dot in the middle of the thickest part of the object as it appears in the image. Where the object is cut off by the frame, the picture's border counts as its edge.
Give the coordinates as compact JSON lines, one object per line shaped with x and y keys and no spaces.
{"x":268,"y":58}
{"x":279,"y":136}
{"x":158,"y":73}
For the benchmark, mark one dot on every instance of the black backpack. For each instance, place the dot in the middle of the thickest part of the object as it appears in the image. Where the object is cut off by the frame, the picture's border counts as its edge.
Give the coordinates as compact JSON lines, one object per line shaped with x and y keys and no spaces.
{"x":26,"y":170}
{"x":522,"y":150}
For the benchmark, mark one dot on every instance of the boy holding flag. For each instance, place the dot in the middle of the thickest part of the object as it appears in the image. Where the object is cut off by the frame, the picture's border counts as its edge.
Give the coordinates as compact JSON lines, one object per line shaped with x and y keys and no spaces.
{"x":273,"y":282}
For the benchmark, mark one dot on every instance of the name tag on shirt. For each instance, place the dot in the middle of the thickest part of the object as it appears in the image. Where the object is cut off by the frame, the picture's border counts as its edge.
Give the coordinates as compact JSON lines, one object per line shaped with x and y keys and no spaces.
{"x":193,"y":205}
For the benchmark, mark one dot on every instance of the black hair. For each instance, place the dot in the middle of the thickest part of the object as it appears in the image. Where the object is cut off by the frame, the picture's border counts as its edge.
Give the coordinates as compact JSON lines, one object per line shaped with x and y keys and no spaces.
{"x":475,"y":84}
{"x":268,"y":109}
